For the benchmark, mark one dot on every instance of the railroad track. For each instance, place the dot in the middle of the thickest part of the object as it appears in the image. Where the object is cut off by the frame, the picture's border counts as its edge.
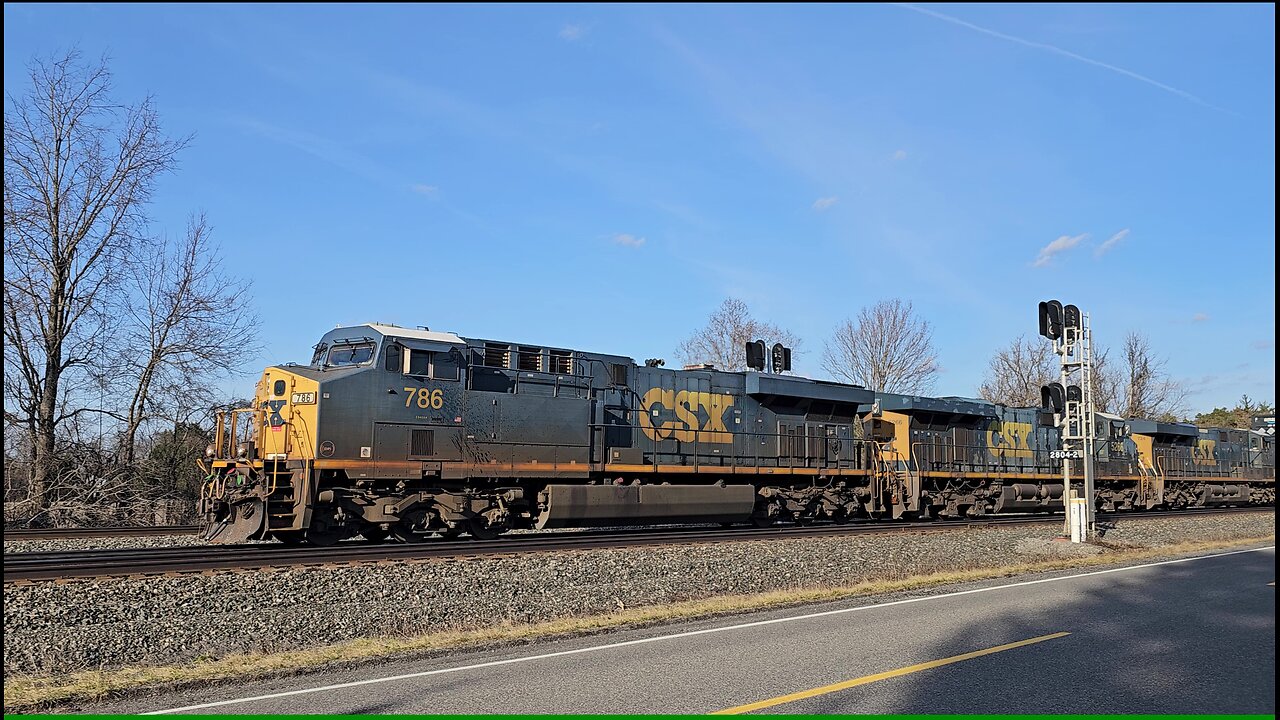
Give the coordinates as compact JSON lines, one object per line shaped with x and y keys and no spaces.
{"x":101,"y":532}
{"x":39,"y":566}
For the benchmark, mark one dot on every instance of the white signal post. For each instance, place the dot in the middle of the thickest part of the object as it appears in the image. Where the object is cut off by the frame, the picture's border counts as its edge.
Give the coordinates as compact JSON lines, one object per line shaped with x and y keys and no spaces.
{"x":1073,"y":342}
{"x":1060,"y":347}
{"x":1090,"y":426}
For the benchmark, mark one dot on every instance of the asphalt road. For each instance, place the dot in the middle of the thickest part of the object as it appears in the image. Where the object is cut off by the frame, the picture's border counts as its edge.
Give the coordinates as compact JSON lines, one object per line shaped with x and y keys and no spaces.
{"x":1193,"y":636}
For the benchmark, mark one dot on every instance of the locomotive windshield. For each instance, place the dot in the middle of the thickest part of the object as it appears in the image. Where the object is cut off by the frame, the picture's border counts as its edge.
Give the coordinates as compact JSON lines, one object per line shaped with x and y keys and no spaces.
{"x":350,"y":354}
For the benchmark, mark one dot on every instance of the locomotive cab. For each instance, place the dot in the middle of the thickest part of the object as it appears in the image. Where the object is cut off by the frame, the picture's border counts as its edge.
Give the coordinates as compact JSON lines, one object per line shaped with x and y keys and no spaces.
{"x":307,"y":428}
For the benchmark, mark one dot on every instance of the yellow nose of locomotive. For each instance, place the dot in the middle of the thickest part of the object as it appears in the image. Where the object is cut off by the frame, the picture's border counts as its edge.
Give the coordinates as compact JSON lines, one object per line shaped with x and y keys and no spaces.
{"x":289,"y":407}
{"x":254,"y":457}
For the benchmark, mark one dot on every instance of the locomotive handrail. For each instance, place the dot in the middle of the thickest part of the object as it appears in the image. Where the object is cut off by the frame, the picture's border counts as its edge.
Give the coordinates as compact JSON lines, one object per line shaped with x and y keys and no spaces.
{"x":1183,"y":464}
{"x":862,"y":453}
{"x":697,"y":453}
{"x":217,"y":433}
{"x":1040,"y":461}
{"x":1145,"y":469}
{"x":225,"y":433}
{"x":231,"y":434}
{"x":577,"y":372}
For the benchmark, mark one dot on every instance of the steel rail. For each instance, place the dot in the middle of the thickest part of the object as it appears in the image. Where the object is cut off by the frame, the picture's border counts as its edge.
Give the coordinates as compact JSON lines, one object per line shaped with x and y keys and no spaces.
{"x":38,"y":566}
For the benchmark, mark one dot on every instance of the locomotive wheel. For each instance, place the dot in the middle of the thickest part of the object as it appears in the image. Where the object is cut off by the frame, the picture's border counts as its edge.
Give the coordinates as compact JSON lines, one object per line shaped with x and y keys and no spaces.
{"x":291,"y":537}
{"x":481,"y":530}
{"x":405,"y":534}
{"x":762,"y":521}
{"x":375,"y":535}
{"x":322,"y":538}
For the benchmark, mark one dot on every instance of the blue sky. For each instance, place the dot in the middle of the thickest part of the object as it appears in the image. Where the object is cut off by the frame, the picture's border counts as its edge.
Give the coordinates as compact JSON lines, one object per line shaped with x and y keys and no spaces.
{"x":603,"y":177}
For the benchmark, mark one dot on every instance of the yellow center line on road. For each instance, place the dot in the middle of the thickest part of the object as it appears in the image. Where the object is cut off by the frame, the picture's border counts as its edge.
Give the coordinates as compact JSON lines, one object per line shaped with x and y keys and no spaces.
{"x":825,"y":689}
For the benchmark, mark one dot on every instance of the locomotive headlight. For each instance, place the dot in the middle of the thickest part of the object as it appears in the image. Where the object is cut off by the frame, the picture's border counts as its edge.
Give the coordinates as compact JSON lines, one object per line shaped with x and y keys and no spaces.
{"x":209,"y":451}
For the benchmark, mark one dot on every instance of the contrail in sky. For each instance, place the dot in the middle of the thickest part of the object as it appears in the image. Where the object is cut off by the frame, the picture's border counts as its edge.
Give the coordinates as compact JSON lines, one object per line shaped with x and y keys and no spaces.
{"x":1065,"y":53}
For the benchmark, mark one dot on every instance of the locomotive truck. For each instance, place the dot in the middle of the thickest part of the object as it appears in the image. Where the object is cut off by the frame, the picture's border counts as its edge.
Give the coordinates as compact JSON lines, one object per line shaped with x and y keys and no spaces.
{"x":408,"y":433}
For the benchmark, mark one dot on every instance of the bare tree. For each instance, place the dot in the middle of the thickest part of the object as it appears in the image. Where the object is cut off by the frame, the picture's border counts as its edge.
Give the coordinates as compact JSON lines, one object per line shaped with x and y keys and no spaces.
{"x":722,"y":342}
{"x":1148,"y":391}
{"x":886,"y":348}
{"x":188,"y":321}
{"x":1106,"y":382}
{"x":1016,"y":373}
{"x":78,"y":170}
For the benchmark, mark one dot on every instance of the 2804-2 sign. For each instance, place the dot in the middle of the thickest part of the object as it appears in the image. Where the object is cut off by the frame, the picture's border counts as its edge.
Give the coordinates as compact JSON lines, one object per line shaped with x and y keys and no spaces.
{"x":425,"y":398}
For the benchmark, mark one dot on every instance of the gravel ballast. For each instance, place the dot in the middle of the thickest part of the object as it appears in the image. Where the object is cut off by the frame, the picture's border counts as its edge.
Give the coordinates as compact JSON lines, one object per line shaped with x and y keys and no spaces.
{"x":62,"y":627}
{"x":101,"y":543}
{"x":185,"y":540}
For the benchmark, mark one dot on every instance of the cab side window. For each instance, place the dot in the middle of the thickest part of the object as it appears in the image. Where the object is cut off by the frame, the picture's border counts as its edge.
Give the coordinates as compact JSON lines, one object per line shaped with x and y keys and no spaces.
{"x":428,"y":364}
{"x":419,"y":363}
{"x":393,"y":361}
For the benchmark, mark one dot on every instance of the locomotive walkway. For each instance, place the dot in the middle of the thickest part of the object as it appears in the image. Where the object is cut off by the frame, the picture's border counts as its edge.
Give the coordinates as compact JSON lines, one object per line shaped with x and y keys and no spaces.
{"x":58,"y":565}
{"x":1193,"y":635}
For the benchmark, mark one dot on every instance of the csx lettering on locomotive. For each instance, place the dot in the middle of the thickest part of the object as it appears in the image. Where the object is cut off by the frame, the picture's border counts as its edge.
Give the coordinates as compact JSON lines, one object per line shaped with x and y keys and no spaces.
{"x":1203,"y":452}
{"x":680,"y":415}
{"x":1010,"y":439}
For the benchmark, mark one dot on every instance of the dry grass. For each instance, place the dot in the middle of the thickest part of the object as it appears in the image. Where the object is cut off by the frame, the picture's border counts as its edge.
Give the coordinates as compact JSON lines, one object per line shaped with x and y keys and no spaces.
{"x":33,"y":693}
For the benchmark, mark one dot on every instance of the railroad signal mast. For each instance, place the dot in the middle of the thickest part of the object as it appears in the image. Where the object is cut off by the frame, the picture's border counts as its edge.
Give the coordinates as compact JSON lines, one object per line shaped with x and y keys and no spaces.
{"x":779,"y":356}
{"x":1070,"y":401}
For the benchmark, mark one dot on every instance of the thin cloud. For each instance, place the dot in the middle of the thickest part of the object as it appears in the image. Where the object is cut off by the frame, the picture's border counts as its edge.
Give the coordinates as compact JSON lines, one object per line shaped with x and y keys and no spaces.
{"x":900,"y":155}
{"x":1065,"y":53}
{"x":1111,"y":242}
{"x":428,"y":190}
{"x":326,"y":149}
{"x":1262,"y":345}
{"x":1205,"y":382}
{"x":1061,"y":245}
{"x":824,"y":203}
{"x":628,"y":240}
{"x":573,"y":32}
{"x":1200,"y":317}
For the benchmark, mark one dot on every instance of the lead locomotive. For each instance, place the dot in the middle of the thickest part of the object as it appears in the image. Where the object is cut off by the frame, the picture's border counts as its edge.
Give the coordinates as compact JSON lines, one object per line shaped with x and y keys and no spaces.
{"x":406,"y":433}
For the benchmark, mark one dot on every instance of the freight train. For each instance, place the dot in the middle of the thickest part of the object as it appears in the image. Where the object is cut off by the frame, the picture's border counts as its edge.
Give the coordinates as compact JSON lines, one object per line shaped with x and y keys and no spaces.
{"x":400,"y":433}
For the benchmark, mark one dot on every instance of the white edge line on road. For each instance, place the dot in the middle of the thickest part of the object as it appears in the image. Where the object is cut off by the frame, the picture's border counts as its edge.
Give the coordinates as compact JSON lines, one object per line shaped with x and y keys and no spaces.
{"x":691,"y":633}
